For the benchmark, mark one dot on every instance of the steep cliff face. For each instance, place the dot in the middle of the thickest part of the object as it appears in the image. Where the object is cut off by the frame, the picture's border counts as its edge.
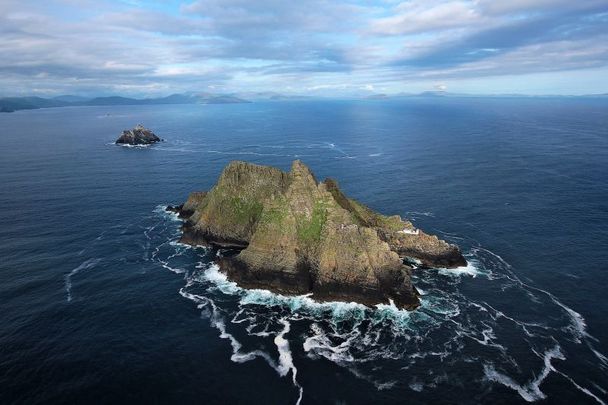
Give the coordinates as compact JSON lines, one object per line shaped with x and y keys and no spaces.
{"x":298,"y":236}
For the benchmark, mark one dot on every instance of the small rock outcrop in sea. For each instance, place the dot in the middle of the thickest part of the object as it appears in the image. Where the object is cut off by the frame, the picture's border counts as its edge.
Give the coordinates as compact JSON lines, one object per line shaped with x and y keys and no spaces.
{"x":293,"y":235}
{"x":137,"y":136}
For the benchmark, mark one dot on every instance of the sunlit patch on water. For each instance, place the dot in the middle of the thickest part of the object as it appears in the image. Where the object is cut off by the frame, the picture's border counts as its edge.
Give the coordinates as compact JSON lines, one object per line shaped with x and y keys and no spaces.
{"x":478,"y":326}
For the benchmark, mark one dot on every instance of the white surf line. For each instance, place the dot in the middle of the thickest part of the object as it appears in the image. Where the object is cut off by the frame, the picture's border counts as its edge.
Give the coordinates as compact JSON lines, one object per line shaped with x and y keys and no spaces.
{"x":265,"y":146}
{"x":178,"y":247}
{"x":248,"y":153}
{"x":599,"y":355}
{"x":336,"y":148}
{"x":418,"y":213}
{"x":285,"y":359}
{"x":531,"y":391}
{"x":87,"y":264}
{"x":499,"y":314}
{"x":578,"y":324}
{"x":218,"y":323}
{"x":580,"y":388}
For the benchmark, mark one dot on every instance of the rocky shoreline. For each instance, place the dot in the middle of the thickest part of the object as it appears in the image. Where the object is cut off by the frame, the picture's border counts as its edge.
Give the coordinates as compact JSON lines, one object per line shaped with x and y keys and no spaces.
{"x":293,"y":235}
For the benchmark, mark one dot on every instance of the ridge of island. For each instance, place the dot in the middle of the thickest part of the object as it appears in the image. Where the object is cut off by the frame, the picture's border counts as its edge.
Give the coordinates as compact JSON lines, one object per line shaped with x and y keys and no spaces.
{"x":293,"y":235}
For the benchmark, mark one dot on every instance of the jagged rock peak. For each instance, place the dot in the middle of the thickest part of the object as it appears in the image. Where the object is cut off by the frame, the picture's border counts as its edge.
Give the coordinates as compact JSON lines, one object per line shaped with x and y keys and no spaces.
{"x":297,"y":236}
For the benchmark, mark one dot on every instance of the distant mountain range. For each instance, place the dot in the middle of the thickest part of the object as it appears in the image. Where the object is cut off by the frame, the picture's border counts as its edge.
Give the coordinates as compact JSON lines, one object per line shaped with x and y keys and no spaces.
{"x":10,"y":104}
{"x":465,"y":95}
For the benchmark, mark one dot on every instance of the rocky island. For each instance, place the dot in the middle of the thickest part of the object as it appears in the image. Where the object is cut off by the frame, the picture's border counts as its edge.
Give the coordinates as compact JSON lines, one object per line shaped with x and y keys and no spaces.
{"x":293,"y":235}
{"x":137,"y":136}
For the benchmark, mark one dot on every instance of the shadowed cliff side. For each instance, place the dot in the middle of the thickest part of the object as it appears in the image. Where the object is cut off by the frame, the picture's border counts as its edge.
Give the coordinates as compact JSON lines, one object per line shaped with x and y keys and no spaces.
{"x":299,"y":236}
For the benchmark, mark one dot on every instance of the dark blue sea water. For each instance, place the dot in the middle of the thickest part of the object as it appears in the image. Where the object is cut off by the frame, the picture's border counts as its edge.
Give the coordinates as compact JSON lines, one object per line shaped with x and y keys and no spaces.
{"x":99,"y":304}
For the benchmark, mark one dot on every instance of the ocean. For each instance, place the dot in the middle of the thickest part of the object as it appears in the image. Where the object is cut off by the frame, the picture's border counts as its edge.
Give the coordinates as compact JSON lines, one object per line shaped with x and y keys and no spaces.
{"x":100,"y":304}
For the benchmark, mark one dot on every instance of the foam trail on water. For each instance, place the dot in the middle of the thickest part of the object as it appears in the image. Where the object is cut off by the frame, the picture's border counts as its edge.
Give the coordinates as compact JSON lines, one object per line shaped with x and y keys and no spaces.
{"x":582,"y":389}
{"x":217,"y":321}
{"x":175,"y":270}
{"x":285,"y":358}
{"x":416,"y":386}
{"x":530,"y":392}
{"x":424,"y":214}
{"x":87,"y":264}
{"x":579,"y":325}
{"x":360,"y":339}
{"x":285,"y":364}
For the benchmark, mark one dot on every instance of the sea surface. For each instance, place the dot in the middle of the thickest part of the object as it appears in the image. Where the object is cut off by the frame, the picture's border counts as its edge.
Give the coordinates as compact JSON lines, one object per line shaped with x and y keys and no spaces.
{"x":100,"y":304}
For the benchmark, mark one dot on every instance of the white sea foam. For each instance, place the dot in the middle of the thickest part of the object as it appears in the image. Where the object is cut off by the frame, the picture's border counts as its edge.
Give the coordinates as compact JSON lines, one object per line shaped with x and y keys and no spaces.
{"x":162,"y":209}
{"x":267,"y":298}
{"x":320,"y":345}
{"x":220,"y":280}
{"x":583,"y":389}
{"x":126,"y":145}
{"x":282,"y":367}
{"x":285,"y":359}
{"x":337,"y":309}
{"x":471,"y":269}
{"x":531,"y":391}
{"x":416,"y":385}
{"x":87,"y":264}
{"x":248,"y":153}
{"x":176,"y":270}
{"x":600,"y":389}
{"x":381,"y":386}
{"x":398,"y":317}
{"x":578,"y":324}
{"x":599,"y":355}
{"x":420,"y":213}
{"x":217,"y":321}
{"x":352,"y":335}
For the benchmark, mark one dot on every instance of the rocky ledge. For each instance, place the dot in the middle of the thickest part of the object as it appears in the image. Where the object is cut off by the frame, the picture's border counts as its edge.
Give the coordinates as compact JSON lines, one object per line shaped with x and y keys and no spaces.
{"x":137,"y":136}
{"x":293,"y":235}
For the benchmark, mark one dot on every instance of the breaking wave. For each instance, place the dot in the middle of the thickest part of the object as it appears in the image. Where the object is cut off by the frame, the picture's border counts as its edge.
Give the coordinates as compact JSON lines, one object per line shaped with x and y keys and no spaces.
{"x":490,"y":327}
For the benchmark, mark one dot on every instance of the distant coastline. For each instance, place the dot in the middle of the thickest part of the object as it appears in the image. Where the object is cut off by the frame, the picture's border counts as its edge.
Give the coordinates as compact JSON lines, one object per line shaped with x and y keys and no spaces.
{"x":11,"y":104}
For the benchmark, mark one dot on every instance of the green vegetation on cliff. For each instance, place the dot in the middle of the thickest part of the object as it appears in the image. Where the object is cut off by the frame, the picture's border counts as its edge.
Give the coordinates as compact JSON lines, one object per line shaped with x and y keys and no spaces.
{"x":309,"y":230}
{"x":244,"y":210}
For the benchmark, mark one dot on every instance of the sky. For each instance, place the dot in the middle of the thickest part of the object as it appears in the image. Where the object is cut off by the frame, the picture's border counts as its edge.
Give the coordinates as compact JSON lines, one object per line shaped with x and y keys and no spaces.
{"x":306,"y":47}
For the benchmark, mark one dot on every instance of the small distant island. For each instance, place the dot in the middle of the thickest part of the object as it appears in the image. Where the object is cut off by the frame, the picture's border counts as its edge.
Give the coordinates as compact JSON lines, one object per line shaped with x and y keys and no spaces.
{"x":293,"y":235}
{"x":137,"y":136}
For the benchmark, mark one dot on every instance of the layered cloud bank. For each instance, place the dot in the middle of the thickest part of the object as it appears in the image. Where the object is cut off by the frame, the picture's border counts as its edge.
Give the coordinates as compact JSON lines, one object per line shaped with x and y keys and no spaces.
{"x":307,"y":47}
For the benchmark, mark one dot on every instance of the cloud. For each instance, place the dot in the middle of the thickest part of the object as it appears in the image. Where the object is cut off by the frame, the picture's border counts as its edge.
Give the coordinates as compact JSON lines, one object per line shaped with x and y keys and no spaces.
{"x":145,"y":48}
{"x":508,"y":34}
{"x":426,"y":16}
{"x":529,"y":6}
